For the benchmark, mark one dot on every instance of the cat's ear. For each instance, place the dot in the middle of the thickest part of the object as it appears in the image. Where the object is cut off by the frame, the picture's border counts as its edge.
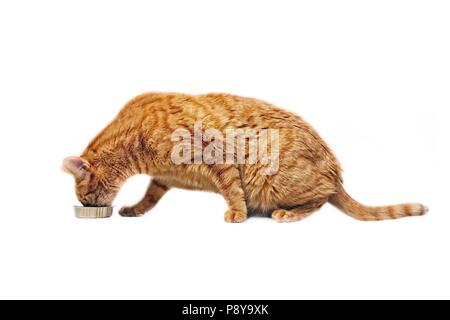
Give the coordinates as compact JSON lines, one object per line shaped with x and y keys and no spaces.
{"x":76,"y":166}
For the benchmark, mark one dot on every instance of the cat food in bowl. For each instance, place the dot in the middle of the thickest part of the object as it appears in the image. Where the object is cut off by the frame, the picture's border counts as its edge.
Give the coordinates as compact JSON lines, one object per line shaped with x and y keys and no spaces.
{"x":93,"y":212}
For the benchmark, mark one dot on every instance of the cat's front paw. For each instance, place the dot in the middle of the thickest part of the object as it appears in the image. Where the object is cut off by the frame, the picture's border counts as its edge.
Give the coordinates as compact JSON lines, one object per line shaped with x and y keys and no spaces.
{"x":235,"y":216}
{"x":131,"y":212}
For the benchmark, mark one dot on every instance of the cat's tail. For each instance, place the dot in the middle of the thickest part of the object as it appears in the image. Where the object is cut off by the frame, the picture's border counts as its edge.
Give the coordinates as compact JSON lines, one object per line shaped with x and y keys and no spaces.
{"x":361,"y":212}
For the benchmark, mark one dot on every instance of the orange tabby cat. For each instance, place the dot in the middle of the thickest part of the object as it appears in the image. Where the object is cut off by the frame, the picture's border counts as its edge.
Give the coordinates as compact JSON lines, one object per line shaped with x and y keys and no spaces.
{"x":139,"y":140}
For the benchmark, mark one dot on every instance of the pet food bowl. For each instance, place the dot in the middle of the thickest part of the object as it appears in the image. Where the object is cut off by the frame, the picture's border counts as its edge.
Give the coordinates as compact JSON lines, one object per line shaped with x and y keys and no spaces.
{"x":93,"y":212}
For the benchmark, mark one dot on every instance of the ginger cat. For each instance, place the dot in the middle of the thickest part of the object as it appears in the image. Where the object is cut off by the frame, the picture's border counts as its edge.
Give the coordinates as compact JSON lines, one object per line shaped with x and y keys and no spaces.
{"x":139,"y":141}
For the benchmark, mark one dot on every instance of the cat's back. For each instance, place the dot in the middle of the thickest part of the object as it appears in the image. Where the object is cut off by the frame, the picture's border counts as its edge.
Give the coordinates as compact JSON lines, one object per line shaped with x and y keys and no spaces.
{"x":220,"y":109}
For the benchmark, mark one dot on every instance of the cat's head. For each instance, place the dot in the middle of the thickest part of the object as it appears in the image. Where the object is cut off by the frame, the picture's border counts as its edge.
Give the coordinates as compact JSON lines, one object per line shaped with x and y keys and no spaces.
{"x":91,"y":186}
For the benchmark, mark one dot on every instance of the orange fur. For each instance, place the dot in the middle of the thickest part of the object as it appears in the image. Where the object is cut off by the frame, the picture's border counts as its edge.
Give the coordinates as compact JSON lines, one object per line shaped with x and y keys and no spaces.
{"x":138,"y":141}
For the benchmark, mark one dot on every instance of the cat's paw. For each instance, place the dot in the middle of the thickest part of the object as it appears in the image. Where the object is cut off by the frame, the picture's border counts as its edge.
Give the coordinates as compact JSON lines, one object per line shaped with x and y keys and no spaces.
{"x":131,"y":212}
{"x":286,"y":216}
{"x":235,"y":216}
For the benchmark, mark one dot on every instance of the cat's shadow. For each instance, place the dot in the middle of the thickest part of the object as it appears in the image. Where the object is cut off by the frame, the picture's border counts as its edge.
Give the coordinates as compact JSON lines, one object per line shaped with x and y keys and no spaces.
{"x":258,"y":214}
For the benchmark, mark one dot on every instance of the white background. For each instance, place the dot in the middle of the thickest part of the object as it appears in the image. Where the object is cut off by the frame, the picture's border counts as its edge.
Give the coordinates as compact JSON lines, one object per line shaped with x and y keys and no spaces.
{"x":373,"y":77}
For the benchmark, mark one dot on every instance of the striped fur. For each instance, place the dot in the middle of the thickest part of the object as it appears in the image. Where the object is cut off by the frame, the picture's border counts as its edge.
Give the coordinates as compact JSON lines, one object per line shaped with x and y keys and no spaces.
{"x":138,"y":141}
{"x":365,"y":213}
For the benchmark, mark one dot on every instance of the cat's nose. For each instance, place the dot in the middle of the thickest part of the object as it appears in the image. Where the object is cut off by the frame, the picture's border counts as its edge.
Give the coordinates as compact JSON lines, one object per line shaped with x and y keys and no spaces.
{"x":86,"y":204}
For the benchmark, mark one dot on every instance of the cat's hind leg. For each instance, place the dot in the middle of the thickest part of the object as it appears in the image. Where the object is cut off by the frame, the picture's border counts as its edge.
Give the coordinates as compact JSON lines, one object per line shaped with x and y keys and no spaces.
{"x":154,"y":193}
{"x":297,"y":213}
{"x":228,"y":183}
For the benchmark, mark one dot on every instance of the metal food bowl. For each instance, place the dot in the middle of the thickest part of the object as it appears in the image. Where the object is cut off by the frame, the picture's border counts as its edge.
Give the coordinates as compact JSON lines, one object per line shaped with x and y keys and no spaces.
{"x":93,"y":212}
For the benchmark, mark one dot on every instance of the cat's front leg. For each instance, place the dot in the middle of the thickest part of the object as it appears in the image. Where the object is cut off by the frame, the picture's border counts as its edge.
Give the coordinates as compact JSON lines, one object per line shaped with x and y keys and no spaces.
{"x":154,"y":193}
{"x":228,"y":183}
